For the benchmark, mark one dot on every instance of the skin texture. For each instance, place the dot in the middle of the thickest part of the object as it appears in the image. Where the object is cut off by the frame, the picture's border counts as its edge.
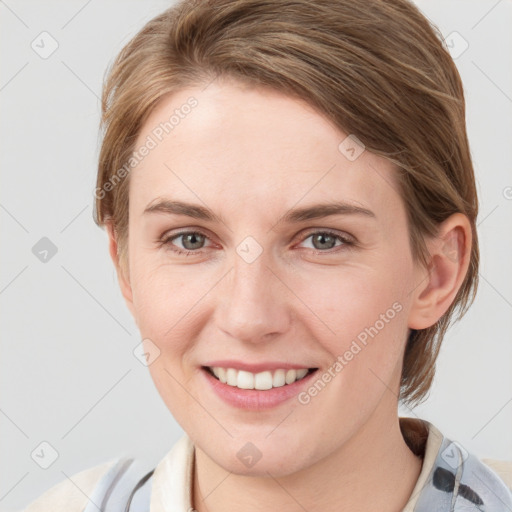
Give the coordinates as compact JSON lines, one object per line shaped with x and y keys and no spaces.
{"x":250,"y":155}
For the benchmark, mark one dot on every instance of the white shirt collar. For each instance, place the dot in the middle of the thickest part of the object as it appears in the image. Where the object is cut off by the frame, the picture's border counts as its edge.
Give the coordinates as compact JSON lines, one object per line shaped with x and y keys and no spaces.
{"x":172,"y":479}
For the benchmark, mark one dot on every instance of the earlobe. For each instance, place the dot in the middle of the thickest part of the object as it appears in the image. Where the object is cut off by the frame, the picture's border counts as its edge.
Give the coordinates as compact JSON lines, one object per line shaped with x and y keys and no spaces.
{"x":449,"y":261}
{"x":122,"y":272}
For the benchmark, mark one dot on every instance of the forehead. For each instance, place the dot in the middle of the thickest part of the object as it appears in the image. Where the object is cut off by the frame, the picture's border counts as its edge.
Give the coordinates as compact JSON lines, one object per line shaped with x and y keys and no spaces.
{"x":231,"y":145}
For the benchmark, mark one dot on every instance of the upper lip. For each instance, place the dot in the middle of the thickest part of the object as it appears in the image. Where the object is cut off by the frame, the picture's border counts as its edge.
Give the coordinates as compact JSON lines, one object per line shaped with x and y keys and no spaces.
{"x":256,"y":367}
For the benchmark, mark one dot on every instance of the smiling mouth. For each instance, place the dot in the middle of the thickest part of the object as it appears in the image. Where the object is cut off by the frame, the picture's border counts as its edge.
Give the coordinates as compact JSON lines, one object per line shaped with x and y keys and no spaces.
{"x":259,"y":381}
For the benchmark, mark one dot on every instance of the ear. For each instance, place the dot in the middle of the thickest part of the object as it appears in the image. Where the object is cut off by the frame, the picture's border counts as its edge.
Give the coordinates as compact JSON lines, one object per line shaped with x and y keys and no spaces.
{"x":121,"y":267}
{"x":450,"y":253}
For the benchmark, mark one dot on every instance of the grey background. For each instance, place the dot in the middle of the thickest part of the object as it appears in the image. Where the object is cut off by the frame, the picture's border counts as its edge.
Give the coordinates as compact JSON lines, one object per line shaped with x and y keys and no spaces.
{"x":68,"y":373}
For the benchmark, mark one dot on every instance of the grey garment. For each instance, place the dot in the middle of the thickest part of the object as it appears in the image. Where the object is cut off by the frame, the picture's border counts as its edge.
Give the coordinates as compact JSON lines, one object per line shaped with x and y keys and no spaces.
{"x":125,"y":487}
{"x":460,"y":482}
{"x":142,"y":497}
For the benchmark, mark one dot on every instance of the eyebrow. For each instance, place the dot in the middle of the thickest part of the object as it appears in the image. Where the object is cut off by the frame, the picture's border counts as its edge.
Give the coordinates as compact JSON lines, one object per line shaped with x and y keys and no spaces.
{"x":296,"y":215}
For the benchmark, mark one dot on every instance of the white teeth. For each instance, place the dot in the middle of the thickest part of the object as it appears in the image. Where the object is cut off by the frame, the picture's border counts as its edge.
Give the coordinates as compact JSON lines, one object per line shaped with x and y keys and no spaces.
{"x":221,"y":374}
{"x":262,"y":381}
{"x":291,"y":376}
{"x":301,"y":373}
{"x":231,"y":376}
{"x":245,"y":380}
{"x":279,"y":378}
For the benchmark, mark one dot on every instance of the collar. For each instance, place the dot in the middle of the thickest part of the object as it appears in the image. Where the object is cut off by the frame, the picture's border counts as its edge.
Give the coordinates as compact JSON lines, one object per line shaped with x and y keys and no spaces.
{"x":171,"y":489}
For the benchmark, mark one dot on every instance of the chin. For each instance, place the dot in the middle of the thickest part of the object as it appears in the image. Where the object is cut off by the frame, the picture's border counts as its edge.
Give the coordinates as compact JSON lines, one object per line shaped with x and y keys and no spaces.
{"x":260,"y":458}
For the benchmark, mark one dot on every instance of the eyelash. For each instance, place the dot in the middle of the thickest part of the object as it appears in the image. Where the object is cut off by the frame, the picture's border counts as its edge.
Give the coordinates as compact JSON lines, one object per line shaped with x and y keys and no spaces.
{"x":347,"y":242}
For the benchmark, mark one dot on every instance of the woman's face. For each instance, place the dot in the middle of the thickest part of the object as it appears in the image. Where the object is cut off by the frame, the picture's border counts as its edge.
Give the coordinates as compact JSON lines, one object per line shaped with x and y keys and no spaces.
{"x":270,"y":281}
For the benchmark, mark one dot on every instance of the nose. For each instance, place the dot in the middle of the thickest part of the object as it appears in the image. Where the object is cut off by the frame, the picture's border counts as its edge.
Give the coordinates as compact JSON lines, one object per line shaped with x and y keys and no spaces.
{"x":253,"y":302}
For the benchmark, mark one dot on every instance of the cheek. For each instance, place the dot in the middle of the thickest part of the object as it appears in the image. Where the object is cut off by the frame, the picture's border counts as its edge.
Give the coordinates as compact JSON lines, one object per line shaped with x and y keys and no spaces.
{"x":153,"y":291}
{"x":167,"y":299}
{"x":367,"y":310}
{"x":348,"y":302}
{"x":166,"y":304}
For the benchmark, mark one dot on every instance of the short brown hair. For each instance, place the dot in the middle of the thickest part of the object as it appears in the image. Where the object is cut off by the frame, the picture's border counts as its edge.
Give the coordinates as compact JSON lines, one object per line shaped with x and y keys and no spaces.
{"x":376,"y":68}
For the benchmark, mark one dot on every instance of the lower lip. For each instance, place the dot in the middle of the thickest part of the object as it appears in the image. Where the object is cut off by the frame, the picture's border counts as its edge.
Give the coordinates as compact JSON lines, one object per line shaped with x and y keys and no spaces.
{"x":256,"y":399}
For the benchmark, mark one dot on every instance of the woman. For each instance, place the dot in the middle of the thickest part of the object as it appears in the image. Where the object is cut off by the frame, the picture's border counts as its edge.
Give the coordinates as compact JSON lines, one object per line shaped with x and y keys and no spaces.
{"x":290,"y":203}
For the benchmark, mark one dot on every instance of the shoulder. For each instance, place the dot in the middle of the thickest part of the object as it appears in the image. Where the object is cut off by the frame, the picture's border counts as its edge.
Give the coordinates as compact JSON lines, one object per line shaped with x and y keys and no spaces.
{"x":503,"y":468}
{"x":451,"y":474}
{"x":470,"y":479}
{"x":426,"y":440}
{"x":71,"y":494}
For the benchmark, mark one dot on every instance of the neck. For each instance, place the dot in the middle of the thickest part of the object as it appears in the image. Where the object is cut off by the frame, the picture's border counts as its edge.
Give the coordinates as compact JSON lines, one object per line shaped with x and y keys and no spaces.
{"x":374,"y":467}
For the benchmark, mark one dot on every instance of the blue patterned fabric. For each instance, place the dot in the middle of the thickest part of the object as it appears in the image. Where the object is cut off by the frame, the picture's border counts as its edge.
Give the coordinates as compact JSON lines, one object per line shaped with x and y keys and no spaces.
{"x":460,"y":482}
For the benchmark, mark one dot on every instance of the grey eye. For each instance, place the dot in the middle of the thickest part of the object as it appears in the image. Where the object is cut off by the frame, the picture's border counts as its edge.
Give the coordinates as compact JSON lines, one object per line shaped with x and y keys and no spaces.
{"x":192,"y":241}
{"x":323,"y":241}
